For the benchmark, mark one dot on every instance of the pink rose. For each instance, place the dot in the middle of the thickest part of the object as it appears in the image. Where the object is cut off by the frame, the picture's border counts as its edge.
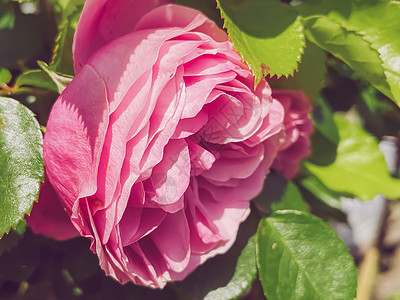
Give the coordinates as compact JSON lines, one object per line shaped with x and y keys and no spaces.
{"x":160,"y":142}
{"x":298,"y":128}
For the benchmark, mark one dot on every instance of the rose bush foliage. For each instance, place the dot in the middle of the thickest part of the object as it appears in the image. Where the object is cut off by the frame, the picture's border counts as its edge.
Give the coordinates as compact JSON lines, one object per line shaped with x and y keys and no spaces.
{"x":157,"y":146}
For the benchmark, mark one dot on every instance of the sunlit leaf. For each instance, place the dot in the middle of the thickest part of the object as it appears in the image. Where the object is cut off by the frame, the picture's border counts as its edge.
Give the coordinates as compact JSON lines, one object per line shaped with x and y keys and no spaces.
{"x":359,"y":168}
{"x":301,"y":257}
{"x":268,"y":35}
{"x":310,"y":77}
{"x":21,"y":162}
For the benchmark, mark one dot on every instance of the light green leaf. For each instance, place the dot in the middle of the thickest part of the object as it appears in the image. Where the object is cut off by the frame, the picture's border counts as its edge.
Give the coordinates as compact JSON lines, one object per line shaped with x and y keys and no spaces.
{"x":364,"y":34}
{"x":5,"y":76}
{"x":301,"y":257}
{"x":37,"y":78}
{"x":291,"y":199}
{"x":21,"y":162}
{"x":245,"y":273}
{"x":61,"y":80}
{"x":268,"y":35}
{"x":311,"y":75}
{"x":359,"y":168}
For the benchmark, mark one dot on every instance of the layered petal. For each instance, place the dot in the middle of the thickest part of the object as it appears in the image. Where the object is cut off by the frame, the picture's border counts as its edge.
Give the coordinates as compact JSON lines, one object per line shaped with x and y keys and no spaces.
{"x":160,"y":142}
{"x":298,"y":128}
{"x":105,"y":20}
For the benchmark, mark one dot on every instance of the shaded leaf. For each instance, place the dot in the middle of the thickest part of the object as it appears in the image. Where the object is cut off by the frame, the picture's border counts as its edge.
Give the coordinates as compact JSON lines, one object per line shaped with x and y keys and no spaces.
{"x":278,"y":193}
{"x":245,"y":273}
{"x":323,"y":121}
{"x":238,"y":267}
{"x":21,"y":162}
{"x":291,"y":199}
{"x":359,"y":168}
{"x":301,"y":257}
{"x":321,"y":192}
{"x":268,"y":35}
{"x":61,"y":80}
{"x":7,"y":20}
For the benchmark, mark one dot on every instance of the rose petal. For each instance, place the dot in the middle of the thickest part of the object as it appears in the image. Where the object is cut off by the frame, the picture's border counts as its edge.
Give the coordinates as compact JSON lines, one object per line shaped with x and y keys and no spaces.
{"x":75,"y":134}
{"x":102,"y":21}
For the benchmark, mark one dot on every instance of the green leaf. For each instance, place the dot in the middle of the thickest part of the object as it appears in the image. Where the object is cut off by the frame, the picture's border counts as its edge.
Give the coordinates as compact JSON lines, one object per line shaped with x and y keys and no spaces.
{"x":239,"y":269}
{"x":21,"y":162}
{"x":301,"y":257}
{"x":67,"y":7}
{"x":278,"y":193}
{"x":359,"y":168}
{"x":5,"y":76}
{"x":321,"y":192}
{"x":245,"y":273}
{"x":208,"y":7}
{"x":7,"y":20}
{"x":68,"y":10}
{"x":364,"y":34}
{"x":268,"y":35}
{"x":61,"y":80}
{"x":291,"y":199}
{"x":37,"y":78}
{"x":323,"y":121}
{"x":311,"y":75}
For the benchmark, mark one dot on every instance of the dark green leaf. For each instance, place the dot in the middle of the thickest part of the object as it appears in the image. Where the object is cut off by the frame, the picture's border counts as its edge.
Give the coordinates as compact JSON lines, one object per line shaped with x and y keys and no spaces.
{"x":359,"y":168}
{"x":21,"y":162}
{"x":321,"y":192}
{"x":239,"y":269}
{"x":291,"y":199}
{"x":364,"y":34}
{"x":7,"y":20}
{"x":278,"y":193}
{"x":37,"y":78}
{"x":5,"y":76}
{"x":208,"y":7}
{"x":268,"y":35}
{"x":19,"y":264}
{"x":323,"y":121}
{"x":245,"y":273}
{"x":301,"y":257}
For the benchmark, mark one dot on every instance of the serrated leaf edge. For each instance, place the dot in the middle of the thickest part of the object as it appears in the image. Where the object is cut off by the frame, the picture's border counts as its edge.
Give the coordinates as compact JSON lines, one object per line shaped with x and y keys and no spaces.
{"x":264,"y":73}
